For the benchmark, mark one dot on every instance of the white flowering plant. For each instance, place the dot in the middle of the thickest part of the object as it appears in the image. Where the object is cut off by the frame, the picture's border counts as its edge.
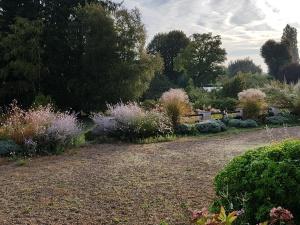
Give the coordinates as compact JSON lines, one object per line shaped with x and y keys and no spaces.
{"x":129,"y":121}
{"x":176,"y":104}
{"x":253,"y":103}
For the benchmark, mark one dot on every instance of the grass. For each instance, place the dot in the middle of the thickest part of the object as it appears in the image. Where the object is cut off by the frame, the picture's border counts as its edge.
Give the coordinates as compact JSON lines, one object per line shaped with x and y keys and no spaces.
{"x":123,"y":184}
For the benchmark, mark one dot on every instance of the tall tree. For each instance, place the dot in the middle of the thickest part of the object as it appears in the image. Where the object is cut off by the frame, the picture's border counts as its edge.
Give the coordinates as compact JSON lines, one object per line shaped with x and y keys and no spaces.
{"x":168,"y":45}
{"x":244,"y":66}
{"x":276,"y":56}
{"x":10,"y":9}
{"x":202,"y":59}
{"x":289,"y":38}
{"x":22,"y":68}
{"x":113,"y":63}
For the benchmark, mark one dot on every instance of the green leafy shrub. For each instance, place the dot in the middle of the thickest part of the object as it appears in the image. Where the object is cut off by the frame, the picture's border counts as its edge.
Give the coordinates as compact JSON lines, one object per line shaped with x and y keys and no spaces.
{"x":265,"y":177}
{"x":186,"y":129}
{"x":149,"y":104}
{"x":8,"y":147}
{"x":42,"y":100}
{"x":277,"y":120}
{"x":234,"y":85}
{"x":228,"y":104}
{"x":279,"y":94}
{"x":210,"y":126}
{"x":242,"y":123}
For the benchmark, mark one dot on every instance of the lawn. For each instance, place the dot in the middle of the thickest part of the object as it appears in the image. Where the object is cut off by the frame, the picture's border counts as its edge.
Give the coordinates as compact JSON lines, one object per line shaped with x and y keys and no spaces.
{"x":122,"y":183}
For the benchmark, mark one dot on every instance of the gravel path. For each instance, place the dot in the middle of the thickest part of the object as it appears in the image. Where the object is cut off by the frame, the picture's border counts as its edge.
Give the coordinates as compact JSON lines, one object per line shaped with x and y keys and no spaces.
{"x":122,"y":183}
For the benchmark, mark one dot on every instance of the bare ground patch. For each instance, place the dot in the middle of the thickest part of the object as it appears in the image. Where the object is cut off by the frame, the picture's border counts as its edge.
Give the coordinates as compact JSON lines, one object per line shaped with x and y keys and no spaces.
{"x":121,"y":183}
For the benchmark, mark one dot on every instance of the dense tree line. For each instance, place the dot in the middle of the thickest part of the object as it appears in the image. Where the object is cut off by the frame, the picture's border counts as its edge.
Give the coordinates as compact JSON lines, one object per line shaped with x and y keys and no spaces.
{"x":81,"y":53}
{"x":243,"y":66}
{"x":198,"y":59}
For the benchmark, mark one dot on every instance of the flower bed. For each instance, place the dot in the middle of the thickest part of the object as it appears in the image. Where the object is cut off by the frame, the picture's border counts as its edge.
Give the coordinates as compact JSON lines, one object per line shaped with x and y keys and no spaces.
{"x":38,"y":131}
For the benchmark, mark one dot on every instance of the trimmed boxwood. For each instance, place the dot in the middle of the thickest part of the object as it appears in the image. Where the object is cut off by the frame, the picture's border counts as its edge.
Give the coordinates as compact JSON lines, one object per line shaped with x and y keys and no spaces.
{"x":242,"y":123}
{"x":186,"y":129}
{"x":266,"y":177}
{"x":277,"y":120}
{"x":7,"y":147}
{"x":210,"y":126}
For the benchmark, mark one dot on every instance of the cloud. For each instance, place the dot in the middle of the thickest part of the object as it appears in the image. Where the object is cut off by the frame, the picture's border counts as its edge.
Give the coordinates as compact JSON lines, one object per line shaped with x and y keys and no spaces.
{"x":243,"y":24}
{"x":246,"y":12}
{"x":259,"y":27}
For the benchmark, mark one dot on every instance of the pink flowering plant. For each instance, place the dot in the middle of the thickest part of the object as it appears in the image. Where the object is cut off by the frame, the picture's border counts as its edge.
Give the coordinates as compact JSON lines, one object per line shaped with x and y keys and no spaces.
{"x":203,"y":217}
{"x":41,"y":129}
{"x":278,"y":216}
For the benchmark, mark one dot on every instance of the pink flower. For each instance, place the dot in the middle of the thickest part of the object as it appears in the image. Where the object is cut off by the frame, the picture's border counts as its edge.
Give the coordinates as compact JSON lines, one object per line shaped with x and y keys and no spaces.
{"x":280,"y":214}
{"x":199,"y":214}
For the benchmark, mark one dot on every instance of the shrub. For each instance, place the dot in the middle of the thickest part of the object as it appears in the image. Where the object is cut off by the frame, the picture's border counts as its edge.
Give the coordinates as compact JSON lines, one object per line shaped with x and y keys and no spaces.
{"x":277,"y":215}
{"x":210,"y":126}
{"x":242,"y":123}
{"x":265,"y":177}
{"x":242,"y":81}
{"x":149,"y":104}
{"x":279,"y":94}
{"x":129,"y":121}
{"x":61,"y":132}
{"x":296,"y":99}
{"x":153,"y":124}
{"x":252,"y":101}
{"x":21,"y":125}
{"x":243,"y":65}
{"x":8,"y":147}
{"x":186,"y":129}
{"x":40,"y":130}
{"x":176,"y":104}
{"x":228,"y":104}
{"x":204,"y":217}
{"x":42,"y":100}
{"x":277,"y":120}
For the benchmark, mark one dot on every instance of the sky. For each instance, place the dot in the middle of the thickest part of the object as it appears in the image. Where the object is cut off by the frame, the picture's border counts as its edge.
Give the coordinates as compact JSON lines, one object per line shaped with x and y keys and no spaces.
{"x":244,"y":25}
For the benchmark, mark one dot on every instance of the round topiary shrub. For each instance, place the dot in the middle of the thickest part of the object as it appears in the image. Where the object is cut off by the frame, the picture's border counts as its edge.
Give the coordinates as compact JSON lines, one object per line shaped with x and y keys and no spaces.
{"x":277,"y":120}
{"x":242,"y":123}
{"x":183,"y":129}
{"x":210,"y":126}
{"x":7,"y":147}
{"x":264,"y":178}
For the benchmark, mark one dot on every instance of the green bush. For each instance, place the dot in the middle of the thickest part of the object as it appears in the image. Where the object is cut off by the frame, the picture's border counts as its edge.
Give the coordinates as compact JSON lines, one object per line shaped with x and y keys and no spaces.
{"x":265,"y":177}
{"x":210,"y":126}
{"x":234,"y":85}
{"x":228,"y":104}
{"x":186,"y":129}
{"x":242,"y":123}
{"x":277,"y":120}
{"x":8,"y":147}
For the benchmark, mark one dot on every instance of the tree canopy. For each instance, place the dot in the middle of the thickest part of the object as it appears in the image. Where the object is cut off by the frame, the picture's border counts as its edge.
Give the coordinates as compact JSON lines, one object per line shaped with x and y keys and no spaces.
{"x":276,"y":55}
{"x":81,"y":53}
{"x":289,"y":38}
{"x":244,"y":66}
{"x":202,"y":59}
{"x":168,"y":45}
{"x":282,"y":57}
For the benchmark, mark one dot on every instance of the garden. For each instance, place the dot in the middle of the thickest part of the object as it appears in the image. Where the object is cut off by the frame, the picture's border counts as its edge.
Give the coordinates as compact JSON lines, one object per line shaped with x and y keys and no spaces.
{"x":99,"y":125}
